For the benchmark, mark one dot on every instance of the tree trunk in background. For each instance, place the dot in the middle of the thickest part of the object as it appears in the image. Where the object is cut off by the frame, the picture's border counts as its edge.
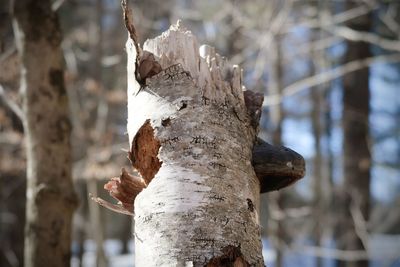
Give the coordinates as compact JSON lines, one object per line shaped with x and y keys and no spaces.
{"x":317,"y":167}
{"x":357,"y":158}
{"x":12,"y":215}
{"x":201,"y":208}
{"x":96,"y":44}
{"x":12,"y":165}
{"x":50,"y":196}
{"x":325,"y":128}
{"x":275,"y":199}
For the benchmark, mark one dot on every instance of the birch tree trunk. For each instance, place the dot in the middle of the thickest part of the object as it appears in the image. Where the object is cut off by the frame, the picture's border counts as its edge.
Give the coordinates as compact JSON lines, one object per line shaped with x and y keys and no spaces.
{"x":191,"y":138}
{"x":50,"y":195}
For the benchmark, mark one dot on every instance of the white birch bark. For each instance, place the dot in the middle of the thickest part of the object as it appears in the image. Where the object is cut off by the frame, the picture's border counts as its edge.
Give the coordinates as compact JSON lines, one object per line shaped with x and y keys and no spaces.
{"x":192,"y":118}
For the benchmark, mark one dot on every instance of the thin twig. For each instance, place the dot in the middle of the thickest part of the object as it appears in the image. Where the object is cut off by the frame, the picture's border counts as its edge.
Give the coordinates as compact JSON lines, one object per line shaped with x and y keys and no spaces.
{"x":290,"y":213}
{"x":345,"y":255}
{"x":57,"y":4}
{"x":335,"y":19}
{"x":265,"y":42}
{"x":6,"y":54}
{"x":11,"y":104}
{"x":388,"y":18}
{"x":360,"y":224}
{"x":327,"y":76}
{"x":304,"y":49}
{"x":353,"y":35}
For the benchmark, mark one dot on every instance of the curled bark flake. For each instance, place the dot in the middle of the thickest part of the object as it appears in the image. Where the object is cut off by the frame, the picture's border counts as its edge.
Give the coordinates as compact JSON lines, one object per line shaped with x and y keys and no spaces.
{"x":124,"y":188}
{"x":113,"y":207}
{"x":148,"y":67}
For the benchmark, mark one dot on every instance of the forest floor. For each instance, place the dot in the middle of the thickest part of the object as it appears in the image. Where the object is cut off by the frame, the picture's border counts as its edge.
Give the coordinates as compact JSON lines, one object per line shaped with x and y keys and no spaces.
{"x":385,"y":252}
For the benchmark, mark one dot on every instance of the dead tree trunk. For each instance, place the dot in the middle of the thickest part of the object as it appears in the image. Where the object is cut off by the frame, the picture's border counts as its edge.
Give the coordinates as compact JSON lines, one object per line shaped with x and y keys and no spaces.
{"x":191,"y":133}
{"x":50,"y":195}
{"x":191,"y":139}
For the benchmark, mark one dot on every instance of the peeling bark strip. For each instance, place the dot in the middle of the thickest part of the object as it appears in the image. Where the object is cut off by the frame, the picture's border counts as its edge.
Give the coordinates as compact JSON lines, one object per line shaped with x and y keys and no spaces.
{"x":124,"y":188}
{"x":192,"y":117}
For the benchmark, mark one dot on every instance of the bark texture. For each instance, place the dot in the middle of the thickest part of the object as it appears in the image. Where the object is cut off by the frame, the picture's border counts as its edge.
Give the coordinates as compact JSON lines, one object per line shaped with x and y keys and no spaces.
{"x":50,"y":195}
{"x":202,"y":196}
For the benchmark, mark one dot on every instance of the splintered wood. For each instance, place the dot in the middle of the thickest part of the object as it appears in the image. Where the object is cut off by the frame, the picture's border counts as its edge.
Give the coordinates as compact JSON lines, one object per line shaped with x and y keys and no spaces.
{"x":192,"y":127}
{"x":197,"y":112}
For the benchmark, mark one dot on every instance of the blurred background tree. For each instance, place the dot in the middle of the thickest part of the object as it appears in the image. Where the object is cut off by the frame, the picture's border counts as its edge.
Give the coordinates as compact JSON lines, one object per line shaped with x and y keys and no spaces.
{"x":330,"y":74}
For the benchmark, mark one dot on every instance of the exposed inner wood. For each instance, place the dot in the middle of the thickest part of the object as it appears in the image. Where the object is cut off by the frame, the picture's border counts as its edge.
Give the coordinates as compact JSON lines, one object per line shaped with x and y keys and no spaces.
{"x":231,"y":257}
{"x":275,"y":166}
{"x":144,"y":151}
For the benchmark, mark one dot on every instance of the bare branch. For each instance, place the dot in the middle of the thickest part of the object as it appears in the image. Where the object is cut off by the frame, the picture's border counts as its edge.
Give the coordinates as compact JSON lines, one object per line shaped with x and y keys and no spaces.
{"x":306,"y":48}
{"x":108,"y":61}
{"x":10,"y":51}
{"x":345,"y":255}
{"x":11,"y":257}
{"x":57,"y":4}
{"x":327,"y":76}
{"x":389,"y":21}
{"x":353,"y":35}
{"x":11,"y":104}
{"x":388,"y":18}
{"x":290,"y":213}
{"x":265,"y":42}
{"x":335,"y":19}
{"x":360,"y":224}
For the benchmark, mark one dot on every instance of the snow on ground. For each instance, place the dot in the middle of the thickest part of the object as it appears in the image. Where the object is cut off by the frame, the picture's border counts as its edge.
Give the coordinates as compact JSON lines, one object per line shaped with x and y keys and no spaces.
{"x":385,"y":251}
